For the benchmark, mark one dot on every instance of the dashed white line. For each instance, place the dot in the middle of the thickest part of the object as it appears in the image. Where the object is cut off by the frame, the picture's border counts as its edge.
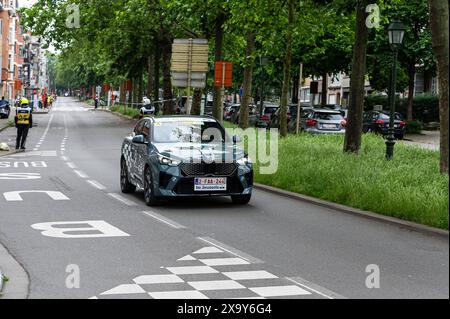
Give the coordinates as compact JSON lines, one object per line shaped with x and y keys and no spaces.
{"x":71,"y":165}
{"x":96,"y":184}
{"x":164,"y":220}
{"x":122,"y":199}
{"x":81,"y":174}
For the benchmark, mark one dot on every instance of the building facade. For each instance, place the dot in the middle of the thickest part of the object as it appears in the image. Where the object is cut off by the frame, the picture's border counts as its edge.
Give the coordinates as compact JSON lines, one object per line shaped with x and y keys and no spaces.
{"x":22,"y":60}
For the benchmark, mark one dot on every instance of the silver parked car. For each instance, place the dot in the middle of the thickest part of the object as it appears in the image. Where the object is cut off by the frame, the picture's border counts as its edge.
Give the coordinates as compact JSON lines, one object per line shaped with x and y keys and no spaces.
{"x":324,"y":121}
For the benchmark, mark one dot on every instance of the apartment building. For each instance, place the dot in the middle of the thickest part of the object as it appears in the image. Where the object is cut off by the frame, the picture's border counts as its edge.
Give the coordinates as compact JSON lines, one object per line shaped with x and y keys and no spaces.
{"x":22,"y":60}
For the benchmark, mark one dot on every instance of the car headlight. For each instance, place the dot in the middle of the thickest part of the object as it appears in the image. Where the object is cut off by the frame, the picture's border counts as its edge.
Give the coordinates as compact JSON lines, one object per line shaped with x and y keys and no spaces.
{"x":244,"y":161}
{"x":167,"y":160}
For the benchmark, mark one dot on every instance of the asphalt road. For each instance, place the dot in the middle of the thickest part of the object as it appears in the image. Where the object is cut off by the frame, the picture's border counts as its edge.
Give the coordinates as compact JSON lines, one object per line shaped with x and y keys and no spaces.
{"x":273,"y":247}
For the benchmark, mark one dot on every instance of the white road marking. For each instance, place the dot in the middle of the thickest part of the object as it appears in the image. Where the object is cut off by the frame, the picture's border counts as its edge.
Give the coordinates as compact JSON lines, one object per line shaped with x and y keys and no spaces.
{"x":279,"y":291}
{"x":249,"y":275}
{"x":231,"y":250}
{"x":193,"y":270}
{"x":208,"y":250}
{"x":215,"y":285}
{"x":187,"y":257}
{"x":20,"y":176}
{"x":164,"y":220}
{"x":184,"y":294}
{"x":316,"y":288}
{"x":125,"y":289}
{"x":99,"y":227}
{"x":81,"y":174}
{"x":122,"y":199}
{"x":64,"y":158}
{"x":96,"y":184}
{"x":15,"y":196}
{"x":157,"y":279}
{"x":71,"y":165}
{"x":224,"y":261}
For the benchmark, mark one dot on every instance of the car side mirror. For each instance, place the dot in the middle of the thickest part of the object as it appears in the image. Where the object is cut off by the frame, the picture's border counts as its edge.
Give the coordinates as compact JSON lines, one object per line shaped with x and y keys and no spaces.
{"x":138,"y":139}
{"x":236,"y":139}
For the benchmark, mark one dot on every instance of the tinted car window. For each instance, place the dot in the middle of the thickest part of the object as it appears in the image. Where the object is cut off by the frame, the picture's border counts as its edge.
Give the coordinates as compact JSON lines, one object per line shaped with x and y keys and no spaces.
{"x":270,"y":110}
{"x":328,"y":116}
{"x":188,"y":131}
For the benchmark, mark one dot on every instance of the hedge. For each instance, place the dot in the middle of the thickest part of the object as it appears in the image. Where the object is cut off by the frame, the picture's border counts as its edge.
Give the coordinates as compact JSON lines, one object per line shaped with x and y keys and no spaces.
{"x":425,"y":107}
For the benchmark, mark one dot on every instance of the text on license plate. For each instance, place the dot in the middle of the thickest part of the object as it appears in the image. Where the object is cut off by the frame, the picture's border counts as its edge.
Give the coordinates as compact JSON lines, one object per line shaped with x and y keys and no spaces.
{"x":210,"y":184}
{"x":329,"y":125}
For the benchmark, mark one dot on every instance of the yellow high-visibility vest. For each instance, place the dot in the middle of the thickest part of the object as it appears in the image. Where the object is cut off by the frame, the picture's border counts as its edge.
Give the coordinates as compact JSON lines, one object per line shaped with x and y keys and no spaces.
{"x":23,"y":115}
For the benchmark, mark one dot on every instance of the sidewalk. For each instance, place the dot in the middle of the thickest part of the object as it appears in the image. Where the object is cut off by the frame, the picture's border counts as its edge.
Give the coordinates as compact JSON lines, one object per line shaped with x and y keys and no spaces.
{"x":16,"y":279}
{"x":427,"y":139}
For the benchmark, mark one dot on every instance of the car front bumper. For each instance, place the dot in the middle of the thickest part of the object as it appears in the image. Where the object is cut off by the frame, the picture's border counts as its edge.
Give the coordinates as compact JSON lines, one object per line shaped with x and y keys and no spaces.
{"x":173,"y":182}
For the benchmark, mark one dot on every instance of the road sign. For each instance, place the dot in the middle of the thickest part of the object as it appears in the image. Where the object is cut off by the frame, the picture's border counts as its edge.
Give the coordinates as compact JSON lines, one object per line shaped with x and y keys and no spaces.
{"x":189,"y":65}
{"x":180,"y":79}
{"x":223,"y":74}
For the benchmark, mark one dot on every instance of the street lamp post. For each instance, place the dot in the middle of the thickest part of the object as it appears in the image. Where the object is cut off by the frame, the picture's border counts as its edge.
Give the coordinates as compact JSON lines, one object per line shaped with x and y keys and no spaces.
{"x":396,"y":30}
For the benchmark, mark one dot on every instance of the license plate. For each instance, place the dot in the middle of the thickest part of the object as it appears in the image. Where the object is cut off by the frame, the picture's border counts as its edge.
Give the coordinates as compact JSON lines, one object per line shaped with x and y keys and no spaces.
{"x":329,"y":125}
{"x":205,"y":184}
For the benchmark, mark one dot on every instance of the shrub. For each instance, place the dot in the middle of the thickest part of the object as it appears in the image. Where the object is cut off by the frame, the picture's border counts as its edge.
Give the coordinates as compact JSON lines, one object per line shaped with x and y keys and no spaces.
{"x":414,"y":127}
{"x":425,"y":107}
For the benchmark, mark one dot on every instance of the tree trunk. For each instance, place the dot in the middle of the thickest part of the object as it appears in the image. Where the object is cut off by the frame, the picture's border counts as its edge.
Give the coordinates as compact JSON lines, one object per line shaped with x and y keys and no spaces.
{"x":156,"y":79}
{"x":134,"y":90}
{"x":439,"y":33}
{"x":248,"y":70}
{"x":324,"y":89}
{"x":196,"y":101}
{"x":150,"y":74}
{"x":411,"y":75}
{"x":122,"y":92}
{"x":167,"y":83}
{"x":353,"y":132}
{"x":218,"y":109}
{"x":287,"y":69}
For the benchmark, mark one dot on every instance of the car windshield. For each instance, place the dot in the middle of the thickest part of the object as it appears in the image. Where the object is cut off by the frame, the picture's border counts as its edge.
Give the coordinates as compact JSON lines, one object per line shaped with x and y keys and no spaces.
{"x":328,"y":116}
{"x":270,"y":110}
{"x":188,"y":131}
{"x":384,"y":116}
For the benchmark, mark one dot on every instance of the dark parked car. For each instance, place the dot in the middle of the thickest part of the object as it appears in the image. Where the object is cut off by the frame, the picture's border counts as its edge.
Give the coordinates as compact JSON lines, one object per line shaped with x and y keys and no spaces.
{"x":252,"y":115}
{"x":4,"y":109}
{"x":184,"y":156}
{"x":378,"y":122}
{"x":264,"y":119}
{"x":304,"y":113}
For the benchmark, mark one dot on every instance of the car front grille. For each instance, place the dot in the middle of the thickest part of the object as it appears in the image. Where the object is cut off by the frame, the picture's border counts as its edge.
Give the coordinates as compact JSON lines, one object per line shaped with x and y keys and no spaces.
{"x":200,"y":169}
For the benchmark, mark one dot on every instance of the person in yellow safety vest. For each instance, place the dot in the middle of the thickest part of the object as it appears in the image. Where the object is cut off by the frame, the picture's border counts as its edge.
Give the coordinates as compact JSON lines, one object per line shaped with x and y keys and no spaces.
{"x":49,"y":100}
{"x":23,"y":121}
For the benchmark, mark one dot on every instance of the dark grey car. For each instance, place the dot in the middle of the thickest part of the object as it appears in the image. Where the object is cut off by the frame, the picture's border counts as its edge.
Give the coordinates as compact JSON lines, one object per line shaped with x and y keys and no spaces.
{"x":184,"y":156}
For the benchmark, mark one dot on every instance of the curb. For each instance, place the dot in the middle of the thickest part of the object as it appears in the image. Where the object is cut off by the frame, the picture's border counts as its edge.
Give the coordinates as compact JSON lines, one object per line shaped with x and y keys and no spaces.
{"x":117,"y":114}
{"x":357,"y":212}
{"x":17,"y":287}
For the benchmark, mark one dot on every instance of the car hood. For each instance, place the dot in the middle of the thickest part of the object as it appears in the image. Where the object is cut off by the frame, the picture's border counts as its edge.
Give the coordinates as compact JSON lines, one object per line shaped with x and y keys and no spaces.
{"x":200,"y":151}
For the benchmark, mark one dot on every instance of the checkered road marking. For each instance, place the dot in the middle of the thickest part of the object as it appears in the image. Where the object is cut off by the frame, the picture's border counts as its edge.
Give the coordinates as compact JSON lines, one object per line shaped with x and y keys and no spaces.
{"x":209,"y":273}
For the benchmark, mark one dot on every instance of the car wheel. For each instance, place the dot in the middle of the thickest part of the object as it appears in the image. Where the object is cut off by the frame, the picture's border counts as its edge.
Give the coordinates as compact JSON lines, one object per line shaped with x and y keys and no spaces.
{"x":241,"y":199}
{"x":149,"y":194}
{"x":125,"y":184}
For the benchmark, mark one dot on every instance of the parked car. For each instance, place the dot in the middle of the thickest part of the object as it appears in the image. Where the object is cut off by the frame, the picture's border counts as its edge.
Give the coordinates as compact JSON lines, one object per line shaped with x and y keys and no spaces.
{"x":324,"y":121}
{"x":230,"y":110}
{"x":252,"y":115}
{"x":378,"y":122}
{"x":184,"y":156}
{"x":5,"y":109}
{"x":264,"y":119}
{"x":275,"y":118}
{"x":304,"y":113}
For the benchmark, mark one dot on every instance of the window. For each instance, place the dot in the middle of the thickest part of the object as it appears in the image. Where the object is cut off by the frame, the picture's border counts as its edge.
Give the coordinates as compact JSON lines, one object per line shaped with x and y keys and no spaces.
{"x":138,"y":128}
